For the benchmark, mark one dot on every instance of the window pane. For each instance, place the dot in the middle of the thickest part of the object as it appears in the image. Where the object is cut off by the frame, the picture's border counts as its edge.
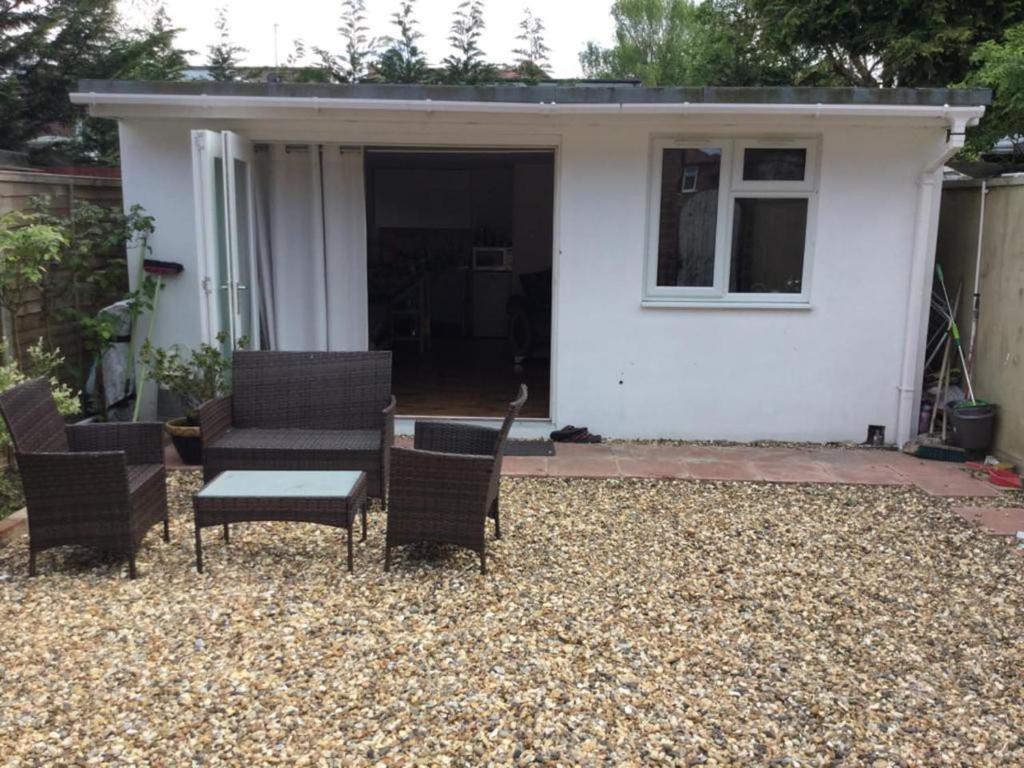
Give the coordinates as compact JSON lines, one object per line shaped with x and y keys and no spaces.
{"x":689,"y":214}
{"x":244,"y":278}
{"x":774,"y":164}
{"x":223,"y":276}
{"x":768,"y":245}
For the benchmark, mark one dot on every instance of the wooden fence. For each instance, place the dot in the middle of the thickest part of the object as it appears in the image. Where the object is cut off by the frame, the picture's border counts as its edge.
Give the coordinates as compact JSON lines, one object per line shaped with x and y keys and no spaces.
{"x":998,"y":370}
{"x":18,"y":187}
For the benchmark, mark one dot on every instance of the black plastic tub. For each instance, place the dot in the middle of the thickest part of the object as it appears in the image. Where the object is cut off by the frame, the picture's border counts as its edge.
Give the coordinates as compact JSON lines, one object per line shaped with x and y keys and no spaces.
{"x":974,"y":427}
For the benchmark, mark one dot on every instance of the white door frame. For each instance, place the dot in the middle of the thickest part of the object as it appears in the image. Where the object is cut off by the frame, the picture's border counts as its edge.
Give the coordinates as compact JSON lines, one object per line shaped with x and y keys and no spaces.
{"x":207,"y":148}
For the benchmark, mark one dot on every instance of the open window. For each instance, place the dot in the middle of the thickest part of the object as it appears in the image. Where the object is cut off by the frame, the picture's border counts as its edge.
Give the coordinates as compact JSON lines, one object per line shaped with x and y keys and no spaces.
{"x":731,"y":221}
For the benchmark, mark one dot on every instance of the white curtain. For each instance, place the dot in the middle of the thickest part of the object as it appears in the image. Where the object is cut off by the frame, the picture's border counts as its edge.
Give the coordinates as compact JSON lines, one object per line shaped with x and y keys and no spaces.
{"x":261,"y":221}
{"x":345,"y":248}
{"x":311,"y":247}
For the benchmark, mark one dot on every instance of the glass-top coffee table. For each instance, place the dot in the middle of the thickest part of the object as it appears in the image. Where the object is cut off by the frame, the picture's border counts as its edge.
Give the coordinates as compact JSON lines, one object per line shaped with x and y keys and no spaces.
{"x":242,"y":496}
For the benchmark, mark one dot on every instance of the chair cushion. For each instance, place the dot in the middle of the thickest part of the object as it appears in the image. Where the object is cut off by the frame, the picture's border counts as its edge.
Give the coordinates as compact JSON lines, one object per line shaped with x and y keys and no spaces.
{"x":255,"y":449}
{"x":306,"y":440}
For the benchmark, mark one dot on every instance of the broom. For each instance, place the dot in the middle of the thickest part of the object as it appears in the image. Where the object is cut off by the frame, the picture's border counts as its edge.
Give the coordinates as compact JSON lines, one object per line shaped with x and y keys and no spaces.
{"x":930,"y":446}
{"x":158,"y":269}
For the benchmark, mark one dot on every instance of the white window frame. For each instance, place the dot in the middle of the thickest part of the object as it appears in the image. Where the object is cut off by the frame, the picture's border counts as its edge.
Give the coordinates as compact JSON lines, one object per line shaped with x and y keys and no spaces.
{"x":653,"y":291}
{"x":731,"y":187}
{"x":810,"y":168}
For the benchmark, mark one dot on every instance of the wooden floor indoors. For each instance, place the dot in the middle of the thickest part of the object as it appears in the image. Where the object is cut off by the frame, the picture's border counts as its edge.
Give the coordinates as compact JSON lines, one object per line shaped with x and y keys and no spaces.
{"x":466,"y":377}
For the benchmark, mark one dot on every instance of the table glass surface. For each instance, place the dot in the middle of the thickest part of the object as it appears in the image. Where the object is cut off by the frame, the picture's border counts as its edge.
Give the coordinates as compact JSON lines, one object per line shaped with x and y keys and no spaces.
{"x":281,"y":484}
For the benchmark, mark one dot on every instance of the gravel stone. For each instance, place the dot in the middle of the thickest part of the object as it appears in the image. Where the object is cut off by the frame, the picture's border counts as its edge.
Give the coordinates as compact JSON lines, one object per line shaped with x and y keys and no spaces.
{"x":623,"y":622}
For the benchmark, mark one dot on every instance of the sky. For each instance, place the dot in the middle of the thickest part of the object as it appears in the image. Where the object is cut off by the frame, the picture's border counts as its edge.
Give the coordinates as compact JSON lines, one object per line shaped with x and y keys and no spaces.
{"x":569,"y":24}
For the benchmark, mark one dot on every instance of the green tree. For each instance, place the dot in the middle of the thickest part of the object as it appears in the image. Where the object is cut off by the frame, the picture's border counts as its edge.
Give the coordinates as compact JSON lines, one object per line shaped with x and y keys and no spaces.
{"x":352,"y":66}
{"x":912,"y":43}
{"x":222,"y":57}
{"x":682,"y":42}
{"x":532,"y":54}
{"x":46,"y":46}
{"x":301,"y":70}
{"x":467,"y":63}
{"x":52,"y":43}
{"x":402,"y":60}
{"x":652,"y":40}
{"x":1000,"y":66}
{"x":139,"y":53}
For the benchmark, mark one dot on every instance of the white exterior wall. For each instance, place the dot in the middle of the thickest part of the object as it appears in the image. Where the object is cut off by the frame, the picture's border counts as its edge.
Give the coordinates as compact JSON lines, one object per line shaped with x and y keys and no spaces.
{"x":156,"y":171}
{"x":818,"y":374}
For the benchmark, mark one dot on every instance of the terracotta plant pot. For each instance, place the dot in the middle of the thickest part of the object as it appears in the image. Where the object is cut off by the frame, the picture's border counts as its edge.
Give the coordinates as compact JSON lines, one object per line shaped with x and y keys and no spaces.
{"x":186,"y":439}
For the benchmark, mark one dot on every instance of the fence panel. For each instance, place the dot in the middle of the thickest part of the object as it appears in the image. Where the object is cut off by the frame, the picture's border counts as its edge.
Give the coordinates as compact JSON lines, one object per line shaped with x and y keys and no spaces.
{"x":18,"y":188}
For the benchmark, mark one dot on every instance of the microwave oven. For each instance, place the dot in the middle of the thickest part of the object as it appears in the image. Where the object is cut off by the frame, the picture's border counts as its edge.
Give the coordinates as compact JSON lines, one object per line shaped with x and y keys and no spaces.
{"x":492,"y":259}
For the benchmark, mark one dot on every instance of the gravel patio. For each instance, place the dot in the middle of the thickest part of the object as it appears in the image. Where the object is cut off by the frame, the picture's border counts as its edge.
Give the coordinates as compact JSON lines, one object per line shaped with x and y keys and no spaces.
{"x":624,"y":621}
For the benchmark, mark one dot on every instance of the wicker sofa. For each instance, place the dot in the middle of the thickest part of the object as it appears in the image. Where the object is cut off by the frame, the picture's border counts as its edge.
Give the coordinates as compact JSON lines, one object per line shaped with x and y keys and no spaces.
{"x":96,"y":485}
{"x":445,"y":487}
{"x":303,"y":410}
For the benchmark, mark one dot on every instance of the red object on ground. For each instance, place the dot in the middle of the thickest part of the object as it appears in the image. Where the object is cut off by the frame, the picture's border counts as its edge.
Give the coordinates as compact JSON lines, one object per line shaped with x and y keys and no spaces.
{"x":1002,"y":477}
{"x":1005,"y":478}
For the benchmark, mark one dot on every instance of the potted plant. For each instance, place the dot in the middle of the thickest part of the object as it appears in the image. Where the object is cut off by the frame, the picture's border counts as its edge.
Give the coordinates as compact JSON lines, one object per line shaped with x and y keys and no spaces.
{"x":194,"y":376}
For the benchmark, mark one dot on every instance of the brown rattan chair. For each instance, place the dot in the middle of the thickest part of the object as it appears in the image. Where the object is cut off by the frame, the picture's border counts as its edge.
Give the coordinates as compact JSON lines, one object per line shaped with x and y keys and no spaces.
{"x":303,"y":410}
{"x":97,"y":485}
{"x":446,"y":486}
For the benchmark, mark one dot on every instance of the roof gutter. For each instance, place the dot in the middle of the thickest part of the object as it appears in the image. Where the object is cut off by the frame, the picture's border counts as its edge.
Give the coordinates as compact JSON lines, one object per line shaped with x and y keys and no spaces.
{"x":922,"y":263}
{"x":202,"y":101}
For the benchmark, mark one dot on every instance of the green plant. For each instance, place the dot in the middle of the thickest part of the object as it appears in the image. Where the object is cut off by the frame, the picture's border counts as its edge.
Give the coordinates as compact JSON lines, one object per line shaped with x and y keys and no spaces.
{"x":29,"y":245}
{"x":1000,"y":66}
{"x":39,"y":362}
{"x":222,"y":58}
{"x":403,"y":61}
{"x":12,"y":497}
{"x":195,"y":376}
{"x":93,"y":272}
{"x":467,"y":64}
{"x":93,"y":254}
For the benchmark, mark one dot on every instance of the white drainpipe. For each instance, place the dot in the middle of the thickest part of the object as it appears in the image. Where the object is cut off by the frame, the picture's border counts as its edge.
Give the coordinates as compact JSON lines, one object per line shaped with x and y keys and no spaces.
{"x":921,"y":266}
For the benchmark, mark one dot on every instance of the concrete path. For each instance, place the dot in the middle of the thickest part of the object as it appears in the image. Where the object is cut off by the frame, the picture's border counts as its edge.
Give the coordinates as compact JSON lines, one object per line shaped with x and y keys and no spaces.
{"x":783,"y":465}
{"x":740,"y":462}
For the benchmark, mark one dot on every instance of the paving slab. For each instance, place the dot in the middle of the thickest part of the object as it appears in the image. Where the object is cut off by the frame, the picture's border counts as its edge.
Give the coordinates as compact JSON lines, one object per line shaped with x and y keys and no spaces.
{"x":723,"y":470}
{"x":798,"y":464}
{"x":583,"y":466}
{"x":867,"y":474}
{"x":524,"y":466}
{"x":14,"y":525}
{"x":795,"y":470}
{"x":999,"y":521}
{"x":667,"y":468}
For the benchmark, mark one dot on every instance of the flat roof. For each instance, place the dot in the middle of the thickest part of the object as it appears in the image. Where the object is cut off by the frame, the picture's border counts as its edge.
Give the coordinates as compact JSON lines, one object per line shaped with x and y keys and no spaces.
{"x":551,"y":93}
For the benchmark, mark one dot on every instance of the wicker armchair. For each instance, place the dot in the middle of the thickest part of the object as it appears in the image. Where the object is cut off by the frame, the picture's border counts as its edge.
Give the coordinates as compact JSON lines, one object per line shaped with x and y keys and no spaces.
{"x":446,"y":486}
{"x":97,"y":485}
{"x":303,"y":410}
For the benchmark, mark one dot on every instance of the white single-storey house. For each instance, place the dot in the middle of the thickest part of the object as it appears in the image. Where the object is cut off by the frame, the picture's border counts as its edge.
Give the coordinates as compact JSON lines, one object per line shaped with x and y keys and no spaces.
{"x":693,"y":263}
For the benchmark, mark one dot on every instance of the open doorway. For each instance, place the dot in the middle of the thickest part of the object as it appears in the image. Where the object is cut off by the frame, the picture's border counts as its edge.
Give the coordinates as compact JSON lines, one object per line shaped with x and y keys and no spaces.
{"x":459,"y":266}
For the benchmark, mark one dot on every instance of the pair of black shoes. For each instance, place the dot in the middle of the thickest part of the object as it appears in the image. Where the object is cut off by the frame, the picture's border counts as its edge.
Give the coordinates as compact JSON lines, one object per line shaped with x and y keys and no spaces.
{"x":571,"y":434}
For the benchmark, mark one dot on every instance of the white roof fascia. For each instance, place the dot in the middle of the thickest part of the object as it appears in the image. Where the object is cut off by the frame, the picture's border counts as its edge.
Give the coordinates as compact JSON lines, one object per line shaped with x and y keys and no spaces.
{"x":969,"y":115}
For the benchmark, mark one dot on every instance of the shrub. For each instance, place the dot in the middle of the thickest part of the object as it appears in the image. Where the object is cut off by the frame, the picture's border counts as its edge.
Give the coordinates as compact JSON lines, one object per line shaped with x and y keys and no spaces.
{"x":38,"y":362}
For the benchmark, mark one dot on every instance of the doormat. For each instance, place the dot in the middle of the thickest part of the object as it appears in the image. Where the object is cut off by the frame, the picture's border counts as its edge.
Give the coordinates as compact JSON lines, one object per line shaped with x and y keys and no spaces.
{"x":529,"y":448}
